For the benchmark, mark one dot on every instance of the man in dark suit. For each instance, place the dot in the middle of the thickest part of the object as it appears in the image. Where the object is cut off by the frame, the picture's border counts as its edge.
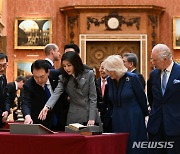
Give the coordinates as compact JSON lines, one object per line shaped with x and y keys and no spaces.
{"x":74,"y":48}
{"x":163,"y":91}
{"x":36,"y":95}
{"x":104,"y":109}
{"x":130,"y":62}
{"x":4,"y":100}
{"x":12,"y":88}
{"x":71,"y":47}
{"x":52,"y":54}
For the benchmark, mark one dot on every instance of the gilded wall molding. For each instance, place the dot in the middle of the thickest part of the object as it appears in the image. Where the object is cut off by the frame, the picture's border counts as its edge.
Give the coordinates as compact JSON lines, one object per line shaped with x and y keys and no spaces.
{"x":71,"y":23}
{"x":113,"y":21}
{"x":153,"y":20}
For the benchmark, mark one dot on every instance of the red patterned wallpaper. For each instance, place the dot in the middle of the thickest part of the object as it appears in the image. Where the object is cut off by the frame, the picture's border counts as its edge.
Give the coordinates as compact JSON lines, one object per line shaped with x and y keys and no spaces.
{"x":50,"y":8}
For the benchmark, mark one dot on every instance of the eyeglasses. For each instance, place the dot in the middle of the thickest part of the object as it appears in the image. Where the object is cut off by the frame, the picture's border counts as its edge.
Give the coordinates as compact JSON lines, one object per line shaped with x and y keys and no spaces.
{"x":3,"y":65}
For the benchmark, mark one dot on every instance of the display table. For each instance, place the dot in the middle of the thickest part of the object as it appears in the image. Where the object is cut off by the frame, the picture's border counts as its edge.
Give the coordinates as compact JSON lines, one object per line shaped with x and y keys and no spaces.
{"x":63,"y":143}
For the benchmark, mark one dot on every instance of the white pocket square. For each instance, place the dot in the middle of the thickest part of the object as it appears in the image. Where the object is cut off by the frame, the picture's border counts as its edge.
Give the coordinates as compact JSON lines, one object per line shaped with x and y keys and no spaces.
{"x":176,"y":81}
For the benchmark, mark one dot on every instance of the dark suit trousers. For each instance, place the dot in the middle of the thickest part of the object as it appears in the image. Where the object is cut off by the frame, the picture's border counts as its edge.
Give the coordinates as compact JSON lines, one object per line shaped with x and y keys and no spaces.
{"x":1,"y":124}
{"x":162,"y":137}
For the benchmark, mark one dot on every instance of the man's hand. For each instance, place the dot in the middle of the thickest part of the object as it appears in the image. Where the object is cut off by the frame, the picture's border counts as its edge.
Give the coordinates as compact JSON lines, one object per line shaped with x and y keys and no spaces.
{"x":4,"y":116}
{"x":43,"y":113}
{"x":28,"y":120}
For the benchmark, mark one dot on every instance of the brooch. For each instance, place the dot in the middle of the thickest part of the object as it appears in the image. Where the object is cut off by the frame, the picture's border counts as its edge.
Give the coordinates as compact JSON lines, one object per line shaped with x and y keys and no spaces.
{"x":127,"y":79}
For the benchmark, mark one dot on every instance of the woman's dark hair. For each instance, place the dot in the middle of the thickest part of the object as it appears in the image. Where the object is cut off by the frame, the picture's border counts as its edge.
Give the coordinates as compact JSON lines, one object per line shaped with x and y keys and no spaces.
{"x":76,"y":61}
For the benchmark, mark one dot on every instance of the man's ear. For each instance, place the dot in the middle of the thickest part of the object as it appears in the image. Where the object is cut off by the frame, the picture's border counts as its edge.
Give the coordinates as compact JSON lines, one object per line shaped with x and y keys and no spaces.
{"x":131,"y":64}
{"x":52,"y":51}
{"x":48,"y":72}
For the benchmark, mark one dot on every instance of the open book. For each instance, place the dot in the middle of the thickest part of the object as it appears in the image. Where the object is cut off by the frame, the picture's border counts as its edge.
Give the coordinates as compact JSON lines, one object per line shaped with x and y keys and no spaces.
{"x":76,"y":126}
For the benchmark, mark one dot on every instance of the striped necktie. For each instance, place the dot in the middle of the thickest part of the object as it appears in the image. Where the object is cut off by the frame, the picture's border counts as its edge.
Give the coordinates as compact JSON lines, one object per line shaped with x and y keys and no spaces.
{"x":164,"y":81}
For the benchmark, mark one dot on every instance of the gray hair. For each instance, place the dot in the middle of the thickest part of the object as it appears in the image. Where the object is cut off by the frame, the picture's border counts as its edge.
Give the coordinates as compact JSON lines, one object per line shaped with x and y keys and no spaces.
{"x":163,"y":51}
{"x":50,"y":47}
{"x":21,"y":78}
{"x":115,"y":63}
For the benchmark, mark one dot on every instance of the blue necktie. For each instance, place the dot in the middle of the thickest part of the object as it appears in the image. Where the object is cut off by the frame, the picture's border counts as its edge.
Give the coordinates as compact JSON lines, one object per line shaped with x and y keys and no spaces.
{"x":164,"y":82}
{"x":49,"y":95}
{"x":47,"y":90}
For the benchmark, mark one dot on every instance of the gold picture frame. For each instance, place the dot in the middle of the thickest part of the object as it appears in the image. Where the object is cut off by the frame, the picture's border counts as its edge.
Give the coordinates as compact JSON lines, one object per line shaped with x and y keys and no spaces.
{"x":22,"y":67}
{"x":177,"y":61}
{"x":32,"y":33}
{"x":176,"y":32}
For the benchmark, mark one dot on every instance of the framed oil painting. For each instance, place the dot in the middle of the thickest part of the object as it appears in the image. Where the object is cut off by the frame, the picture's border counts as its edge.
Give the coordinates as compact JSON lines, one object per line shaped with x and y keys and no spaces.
{"x":32,"y":33}
{"x":22,"y":68}
{"x":176,"y":32}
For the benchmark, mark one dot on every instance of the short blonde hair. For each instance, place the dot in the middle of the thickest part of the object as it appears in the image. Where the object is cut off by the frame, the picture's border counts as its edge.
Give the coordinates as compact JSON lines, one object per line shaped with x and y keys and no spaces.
{"x":115,"y":63}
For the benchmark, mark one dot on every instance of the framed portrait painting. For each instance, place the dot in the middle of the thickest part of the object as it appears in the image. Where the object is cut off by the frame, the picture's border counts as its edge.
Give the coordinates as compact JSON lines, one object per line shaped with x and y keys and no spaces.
{"x":32,"y":33}
{"x":22,"y":68}
{"x":176,"y":32}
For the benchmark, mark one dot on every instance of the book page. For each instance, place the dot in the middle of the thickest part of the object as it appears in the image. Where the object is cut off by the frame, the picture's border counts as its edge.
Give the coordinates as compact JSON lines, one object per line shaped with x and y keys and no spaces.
{"x":76,"y":126}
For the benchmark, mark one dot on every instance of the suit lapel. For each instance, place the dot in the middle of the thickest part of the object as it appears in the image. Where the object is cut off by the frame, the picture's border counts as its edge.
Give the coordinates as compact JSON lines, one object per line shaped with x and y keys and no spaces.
{"x":53,"y":79}
{"x":3,"y":84}
{"x":53,"y":83}
{"x":172,"y":76}
{"x":14,"y":87}
{"x":81,"y":81}
{"x":135,"y":71}
{"x":99,"y":83}
{"x":120,"y":87}
{"x":158,"y":78}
